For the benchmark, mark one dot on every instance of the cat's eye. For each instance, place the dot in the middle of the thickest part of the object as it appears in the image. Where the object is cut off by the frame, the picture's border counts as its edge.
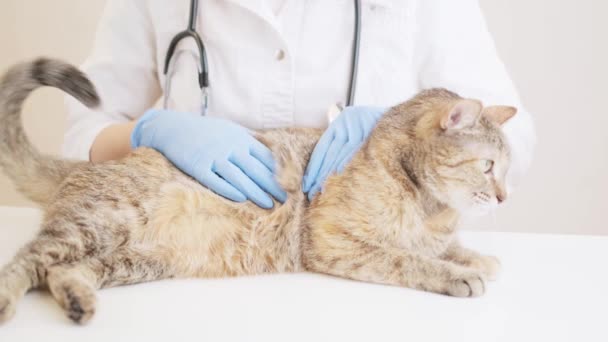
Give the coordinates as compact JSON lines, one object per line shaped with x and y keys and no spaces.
{"x":487,"y":165}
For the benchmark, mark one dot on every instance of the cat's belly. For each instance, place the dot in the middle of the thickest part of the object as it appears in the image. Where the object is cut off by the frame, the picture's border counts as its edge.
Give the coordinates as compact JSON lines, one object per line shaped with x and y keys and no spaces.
{"x":204,"y":235}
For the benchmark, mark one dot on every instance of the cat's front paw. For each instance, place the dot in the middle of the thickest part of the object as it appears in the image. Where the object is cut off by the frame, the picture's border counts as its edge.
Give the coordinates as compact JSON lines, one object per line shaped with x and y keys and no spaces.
{"x":7,"y":308}
{"x":489,"y":265}
{"x":467,"y":285}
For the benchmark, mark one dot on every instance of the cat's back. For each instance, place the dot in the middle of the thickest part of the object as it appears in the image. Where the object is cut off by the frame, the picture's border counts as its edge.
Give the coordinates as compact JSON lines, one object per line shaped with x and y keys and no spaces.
{"x":133,"y":178}
{"x":291,"y":148}
{"x":144,"y":172}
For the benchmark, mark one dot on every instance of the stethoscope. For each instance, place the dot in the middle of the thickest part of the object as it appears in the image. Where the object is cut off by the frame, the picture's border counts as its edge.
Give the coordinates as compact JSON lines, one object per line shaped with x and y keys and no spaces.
{"x":203,"y":68}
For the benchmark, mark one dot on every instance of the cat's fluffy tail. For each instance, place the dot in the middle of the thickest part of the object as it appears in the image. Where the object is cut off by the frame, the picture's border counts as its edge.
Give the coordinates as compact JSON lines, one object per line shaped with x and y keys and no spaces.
{"x":37,"y":176}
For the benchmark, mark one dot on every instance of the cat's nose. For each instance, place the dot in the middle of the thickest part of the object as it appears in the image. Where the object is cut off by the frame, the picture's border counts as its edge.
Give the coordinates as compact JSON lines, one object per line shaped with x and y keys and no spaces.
{"x":501,"y":192}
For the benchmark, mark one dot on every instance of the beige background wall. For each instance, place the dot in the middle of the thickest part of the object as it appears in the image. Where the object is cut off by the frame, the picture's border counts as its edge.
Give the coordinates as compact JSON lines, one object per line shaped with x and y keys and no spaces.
{"x":556,"y":51}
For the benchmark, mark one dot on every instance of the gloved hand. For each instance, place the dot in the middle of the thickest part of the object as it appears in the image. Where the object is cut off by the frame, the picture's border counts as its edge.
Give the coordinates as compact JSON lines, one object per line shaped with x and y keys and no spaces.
{"x":220,"y":154}
{"x":337,"y":146}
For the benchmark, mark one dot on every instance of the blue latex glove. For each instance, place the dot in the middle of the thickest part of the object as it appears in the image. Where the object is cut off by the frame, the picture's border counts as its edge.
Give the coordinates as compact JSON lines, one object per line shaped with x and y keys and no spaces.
{"x":220,"y":154}
{"x":337,"y":146}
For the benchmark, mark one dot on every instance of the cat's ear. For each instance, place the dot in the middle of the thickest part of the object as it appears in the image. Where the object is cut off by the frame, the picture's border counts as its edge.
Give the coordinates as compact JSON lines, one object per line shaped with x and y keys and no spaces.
{"x":499,"y":114}
{"x":465,"y":113}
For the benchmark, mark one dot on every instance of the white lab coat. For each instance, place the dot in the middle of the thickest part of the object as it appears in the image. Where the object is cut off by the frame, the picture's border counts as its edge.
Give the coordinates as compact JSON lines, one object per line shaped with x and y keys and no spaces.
{"x":282,"y":69}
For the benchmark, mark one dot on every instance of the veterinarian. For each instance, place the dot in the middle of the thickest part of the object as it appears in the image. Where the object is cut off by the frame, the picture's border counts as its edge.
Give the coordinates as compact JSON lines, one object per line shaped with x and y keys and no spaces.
{"x":277,"y":63}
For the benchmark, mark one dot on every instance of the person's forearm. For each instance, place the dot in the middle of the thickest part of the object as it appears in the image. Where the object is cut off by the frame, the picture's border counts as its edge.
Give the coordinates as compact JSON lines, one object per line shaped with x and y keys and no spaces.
{"x":113,"y":142}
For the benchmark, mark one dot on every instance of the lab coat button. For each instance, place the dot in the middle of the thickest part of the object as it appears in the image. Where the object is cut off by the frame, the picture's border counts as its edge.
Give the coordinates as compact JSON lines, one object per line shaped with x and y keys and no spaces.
{"x":280,"y":55}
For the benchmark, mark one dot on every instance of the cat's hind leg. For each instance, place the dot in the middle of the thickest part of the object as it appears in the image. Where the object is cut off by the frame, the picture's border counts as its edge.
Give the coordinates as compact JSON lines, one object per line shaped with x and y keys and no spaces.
{"x":74,"y":285}
{"x":60,"y":241}
{"x":28,"y":269}
{"x":131,"y":266}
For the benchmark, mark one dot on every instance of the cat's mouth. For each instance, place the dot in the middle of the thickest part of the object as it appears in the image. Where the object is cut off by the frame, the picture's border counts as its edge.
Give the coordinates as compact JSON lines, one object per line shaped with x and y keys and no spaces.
{"x":481,"y":204}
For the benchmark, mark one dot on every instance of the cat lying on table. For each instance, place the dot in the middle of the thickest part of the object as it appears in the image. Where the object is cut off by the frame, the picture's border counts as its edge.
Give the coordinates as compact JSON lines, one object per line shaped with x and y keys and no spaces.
{"x":389,"y":218}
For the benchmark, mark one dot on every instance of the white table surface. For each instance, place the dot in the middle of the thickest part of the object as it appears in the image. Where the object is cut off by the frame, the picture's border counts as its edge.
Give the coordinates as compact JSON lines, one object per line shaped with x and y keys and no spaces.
{"x":553,"y":288}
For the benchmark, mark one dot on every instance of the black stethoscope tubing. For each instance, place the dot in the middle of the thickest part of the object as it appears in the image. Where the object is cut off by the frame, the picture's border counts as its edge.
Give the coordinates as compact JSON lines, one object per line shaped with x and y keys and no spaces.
{"x":203,"y":72}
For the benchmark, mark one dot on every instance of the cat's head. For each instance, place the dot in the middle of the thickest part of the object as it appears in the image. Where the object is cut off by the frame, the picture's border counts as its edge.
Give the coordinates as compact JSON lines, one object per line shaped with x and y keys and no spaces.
{"x":460,"y":155}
